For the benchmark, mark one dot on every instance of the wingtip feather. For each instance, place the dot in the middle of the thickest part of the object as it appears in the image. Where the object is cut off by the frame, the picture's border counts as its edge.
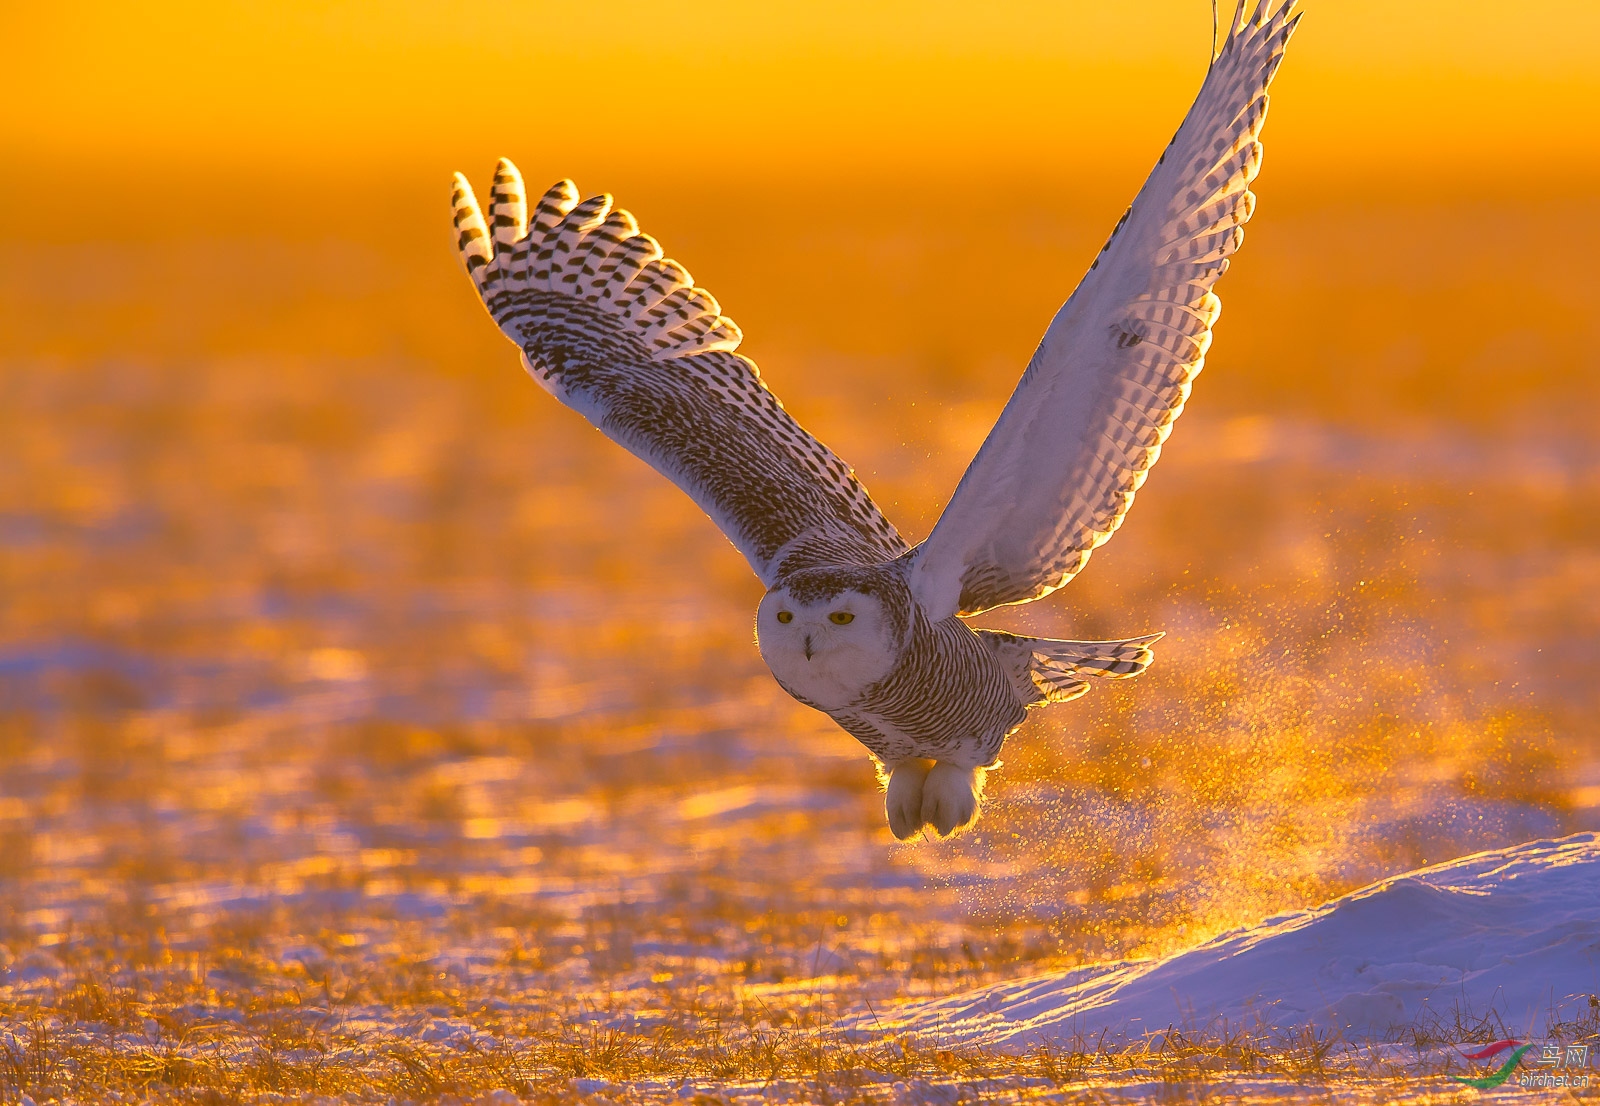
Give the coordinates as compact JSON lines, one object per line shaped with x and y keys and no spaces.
{"x":560,"y":198}
{"x":472,"y":234}
{"x":508,"y":204}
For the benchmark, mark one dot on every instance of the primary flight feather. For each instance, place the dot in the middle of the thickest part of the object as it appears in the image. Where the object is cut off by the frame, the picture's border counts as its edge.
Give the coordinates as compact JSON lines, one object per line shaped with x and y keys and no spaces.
{"x":855,"y":622}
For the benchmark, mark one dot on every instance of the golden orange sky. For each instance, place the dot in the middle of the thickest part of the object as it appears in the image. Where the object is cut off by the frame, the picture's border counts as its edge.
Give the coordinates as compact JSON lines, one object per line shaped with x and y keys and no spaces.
{"x":1441,"y":85}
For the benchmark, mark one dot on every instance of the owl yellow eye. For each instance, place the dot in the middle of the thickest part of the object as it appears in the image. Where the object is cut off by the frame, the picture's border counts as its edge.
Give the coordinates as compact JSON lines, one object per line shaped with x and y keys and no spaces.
{"x":841,"y":618}
{"x":785,"y":616}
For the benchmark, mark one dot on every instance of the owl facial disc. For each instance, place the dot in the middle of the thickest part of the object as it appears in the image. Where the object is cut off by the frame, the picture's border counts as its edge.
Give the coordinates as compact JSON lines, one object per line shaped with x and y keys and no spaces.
{"x":829,"y":649}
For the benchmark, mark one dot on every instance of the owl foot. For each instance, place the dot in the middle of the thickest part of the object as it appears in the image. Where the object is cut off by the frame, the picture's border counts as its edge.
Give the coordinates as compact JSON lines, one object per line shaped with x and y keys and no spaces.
{"x":951,"y":796}
{"x":904,"y":802}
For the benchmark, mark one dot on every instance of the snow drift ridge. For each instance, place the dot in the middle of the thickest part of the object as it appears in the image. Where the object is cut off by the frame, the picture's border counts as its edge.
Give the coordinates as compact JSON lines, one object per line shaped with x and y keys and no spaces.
{"x":1515,"y":930}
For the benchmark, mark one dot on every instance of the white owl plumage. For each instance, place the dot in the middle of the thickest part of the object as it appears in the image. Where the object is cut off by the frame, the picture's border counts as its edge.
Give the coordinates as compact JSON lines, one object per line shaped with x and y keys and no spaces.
{"x":855,"y":622}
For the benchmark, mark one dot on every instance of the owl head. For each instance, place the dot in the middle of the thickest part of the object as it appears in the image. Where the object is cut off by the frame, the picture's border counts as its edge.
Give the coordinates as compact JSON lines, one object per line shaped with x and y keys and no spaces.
{"x":829,"y":634}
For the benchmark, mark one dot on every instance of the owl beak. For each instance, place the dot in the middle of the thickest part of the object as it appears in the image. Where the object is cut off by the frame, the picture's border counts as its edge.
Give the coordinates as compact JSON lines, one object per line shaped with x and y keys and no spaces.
{"x":808,"y":647}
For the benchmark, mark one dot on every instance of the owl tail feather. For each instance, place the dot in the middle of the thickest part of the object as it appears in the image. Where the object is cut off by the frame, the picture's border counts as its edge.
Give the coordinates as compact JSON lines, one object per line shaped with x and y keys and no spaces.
{"x":1060,"y":670}
{"x":1049,"y":671}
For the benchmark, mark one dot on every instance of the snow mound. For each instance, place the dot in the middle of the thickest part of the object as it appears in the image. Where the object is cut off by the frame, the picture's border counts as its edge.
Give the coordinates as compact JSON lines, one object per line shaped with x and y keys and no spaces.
{"x":1515,"y":931}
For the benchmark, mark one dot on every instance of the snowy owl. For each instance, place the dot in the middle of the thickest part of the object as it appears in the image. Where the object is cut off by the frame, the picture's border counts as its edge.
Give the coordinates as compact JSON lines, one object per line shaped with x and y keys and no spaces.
{"x":856,"y":622}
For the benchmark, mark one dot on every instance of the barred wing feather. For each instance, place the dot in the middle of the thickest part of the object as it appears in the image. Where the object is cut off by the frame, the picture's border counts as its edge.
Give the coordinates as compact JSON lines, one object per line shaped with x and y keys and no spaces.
{"x":621,"y":334}
{"x":1059,"y":470}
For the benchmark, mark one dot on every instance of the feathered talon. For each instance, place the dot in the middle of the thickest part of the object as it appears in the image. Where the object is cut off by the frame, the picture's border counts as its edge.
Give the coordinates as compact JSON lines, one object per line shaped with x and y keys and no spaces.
{"x":902,"y":802}
{"x":951,"y":798}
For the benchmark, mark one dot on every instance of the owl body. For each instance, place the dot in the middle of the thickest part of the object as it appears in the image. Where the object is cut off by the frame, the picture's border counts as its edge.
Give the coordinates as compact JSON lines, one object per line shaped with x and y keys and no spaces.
{"x":947,"y":699}
{"x":856,"y":621}
{"x":933,"y":700}
{"x":858,"y":645}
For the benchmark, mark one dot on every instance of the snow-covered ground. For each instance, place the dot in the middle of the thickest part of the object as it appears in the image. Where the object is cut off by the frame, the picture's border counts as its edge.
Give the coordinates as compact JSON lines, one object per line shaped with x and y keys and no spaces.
{"x":406,"y":720}
{"x":1513,"y":932}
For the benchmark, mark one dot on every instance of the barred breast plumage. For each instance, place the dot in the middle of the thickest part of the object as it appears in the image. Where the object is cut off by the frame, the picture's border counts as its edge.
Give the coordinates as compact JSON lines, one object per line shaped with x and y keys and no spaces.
{"x":856,"y":622}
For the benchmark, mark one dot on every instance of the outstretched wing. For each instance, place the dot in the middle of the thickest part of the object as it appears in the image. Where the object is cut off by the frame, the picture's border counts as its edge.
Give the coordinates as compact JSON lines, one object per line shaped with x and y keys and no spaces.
{"x":1060,"y":468}
{"x":621,"y":335}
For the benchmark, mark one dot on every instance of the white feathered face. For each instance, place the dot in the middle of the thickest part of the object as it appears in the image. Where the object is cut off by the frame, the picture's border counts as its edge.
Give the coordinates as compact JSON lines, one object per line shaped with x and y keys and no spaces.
{"x":829,"y":650}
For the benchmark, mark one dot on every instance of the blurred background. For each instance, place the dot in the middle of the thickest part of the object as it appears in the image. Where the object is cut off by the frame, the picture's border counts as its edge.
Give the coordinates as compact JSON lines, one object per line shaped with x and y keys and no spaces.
{"x":330,"y":644}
